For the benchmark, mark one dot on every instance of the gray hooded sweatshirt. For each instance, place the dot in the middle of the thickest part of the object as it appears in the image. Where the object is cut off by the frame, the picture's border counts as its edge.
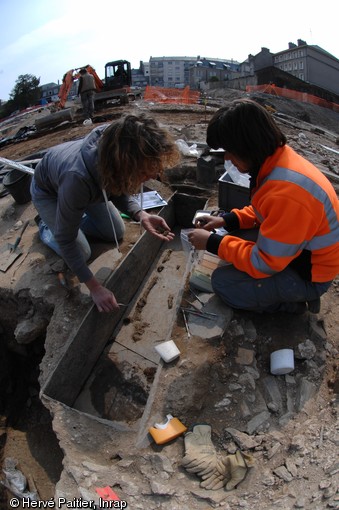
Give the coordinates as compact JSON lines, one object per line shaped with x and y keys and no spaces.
{"x":69,"y":174}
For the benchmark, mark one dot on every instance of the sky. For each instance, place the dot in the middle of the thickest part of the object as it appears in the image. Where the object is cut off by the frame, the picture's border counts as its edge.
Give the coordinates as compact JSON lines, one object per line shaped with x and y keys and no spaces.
{"x":46,"y":39}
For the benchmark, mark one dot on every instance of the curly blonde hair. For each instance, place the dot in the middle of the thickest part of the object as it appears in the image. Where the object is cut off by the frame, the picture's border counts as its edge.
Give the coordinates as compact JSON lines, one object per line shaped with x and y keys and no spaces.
{"x":131,"y":147}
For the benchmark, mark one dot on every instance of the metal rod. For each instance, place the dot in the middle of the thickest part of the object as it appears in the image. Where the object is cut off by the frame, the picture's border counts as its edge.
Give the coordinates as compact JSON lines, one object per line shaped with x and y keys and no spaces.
{"x":199,"y":310}
{"x":17,"y":166}
{"x":198,"y":314}
{"x":196,"y":297}
{"x":186,"y":324}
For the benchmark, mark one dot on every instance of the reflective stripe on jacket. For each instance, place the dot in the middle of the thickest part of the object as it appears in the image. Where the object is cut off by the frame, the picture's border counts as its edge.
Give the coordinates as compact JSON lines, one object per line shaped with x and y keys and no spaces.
{"x":297,"y":210}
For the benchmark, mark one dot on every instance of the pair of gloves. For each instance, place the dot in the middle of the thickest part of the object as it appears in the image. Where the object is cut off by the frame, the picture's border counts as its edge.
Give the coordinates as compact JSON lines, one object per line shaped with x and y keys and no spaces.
{"x":215,"y":470}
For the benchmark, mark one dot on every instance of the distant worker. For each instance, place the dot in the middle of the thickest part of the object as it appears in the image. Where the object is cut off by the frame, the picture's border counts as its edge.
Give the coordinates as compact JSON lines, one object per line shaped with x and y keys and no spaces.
{"x":87,"y":89}
{"x":76,"y":184}
{"x":283,"y":249}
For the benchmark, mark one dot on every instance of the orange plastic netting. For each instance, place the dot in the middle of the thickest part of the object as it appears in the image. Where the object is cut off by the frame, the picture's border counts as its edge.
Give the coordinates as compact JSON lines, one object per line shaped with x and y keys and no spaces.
{"x":171,"y":95}
{"x":293,"y":94}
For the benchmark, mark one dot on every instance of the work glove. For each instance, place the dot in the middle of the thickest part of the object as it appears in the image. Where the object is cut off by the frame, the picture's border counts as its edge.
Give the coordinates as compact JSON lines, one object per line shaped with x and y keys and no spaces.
{"x":238,"y":467}
{"x":230,"y":471}
{"x":218,"y":478}
{"x":200,"y":454}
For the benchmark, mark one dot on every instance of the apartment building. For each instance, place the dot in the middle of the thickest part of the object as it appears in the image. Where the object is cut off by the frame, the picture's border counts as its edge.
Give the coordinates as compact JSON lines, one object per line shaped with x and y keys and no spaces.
{"x":311,"y":64}
{"x":170,"y":71}
{"x":211,"y":70}
{"x":193,"y":71}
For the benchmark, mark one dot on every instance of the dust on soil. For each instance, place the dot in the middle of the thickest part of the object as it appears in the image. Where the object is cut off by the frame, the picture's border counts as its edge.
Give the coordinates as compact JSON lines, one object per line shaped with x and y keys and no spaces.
{"x":198,"y":387}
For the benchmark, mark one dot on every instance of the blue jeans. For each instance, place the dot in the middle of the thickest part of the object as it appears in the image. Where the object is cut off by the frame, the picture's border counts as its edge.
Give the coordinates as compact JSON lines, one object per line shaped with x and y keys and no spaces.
{"x":275,"y":293}
{"x":95,"y":222}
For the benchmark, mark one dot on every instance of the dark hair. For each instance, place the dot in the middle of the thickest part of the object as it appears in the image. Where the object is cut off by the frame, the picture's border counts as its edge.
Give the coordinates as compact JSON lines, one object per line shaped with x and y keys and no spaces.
{"x":132,"y":146}
{"x":247,"y":130}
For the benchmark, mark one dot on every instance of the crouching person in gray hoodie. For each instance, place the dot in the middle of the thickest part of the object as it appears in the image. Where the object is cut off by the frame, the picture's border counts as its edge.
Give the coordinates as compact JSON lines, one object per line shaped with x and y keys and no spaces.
{"x":79,"y":188}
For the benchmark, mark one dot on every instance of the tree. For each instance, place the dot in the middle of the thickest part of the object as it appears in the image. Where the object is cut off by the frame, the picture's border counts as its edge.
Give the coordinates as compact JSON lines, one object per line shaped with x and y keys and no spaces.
{"x":26,"y":91}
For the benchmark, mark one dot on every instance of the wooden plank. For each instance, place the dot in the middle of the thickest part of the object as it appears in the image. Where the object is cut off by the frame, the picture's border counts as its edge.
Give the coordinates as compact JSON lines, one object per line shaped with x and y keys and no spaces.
{"x":87,"y":344}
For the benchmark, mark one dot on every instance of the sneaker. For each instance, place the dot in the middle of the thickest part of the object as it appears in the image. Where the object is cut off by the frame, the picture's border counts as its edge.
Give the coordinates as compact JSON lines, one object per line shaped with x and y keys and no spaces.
{"x":37,"y":219}
{"x":314,"y":305}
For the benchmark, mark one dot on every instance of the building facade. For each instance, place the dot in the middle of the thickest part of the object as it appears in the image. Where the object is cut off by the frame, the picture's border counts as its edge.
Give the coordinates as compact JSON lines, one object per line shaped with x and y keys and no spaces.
{"x":170,"y":71}
{"x":49,"y":92}
{"x":311,"y":64}
{"x":211,"y":70}
{"x":178,"y":72}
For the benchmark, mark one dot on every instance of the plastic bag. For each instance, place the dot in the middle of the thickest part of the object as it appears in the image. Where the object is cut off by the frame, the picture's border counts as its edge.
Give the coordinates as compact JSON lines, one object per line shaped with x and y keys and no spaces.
{"x":236,"y":176}
{"x":187,"y":150}
{"x":15,"y":478}
{"x":16,"y":481}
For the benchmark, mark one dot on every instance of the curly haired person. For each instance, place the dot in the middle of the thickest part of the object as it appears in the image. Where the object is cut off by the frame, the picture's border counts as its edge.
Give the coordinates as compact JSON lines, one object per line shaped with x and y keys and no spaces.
{"x":77,"y":183}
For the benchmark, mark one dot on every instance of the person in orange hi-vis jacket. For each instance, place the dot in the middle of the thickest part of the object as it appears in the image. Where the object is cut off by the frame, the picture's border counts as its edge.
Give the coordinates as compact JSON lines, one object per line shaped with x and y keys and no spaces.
{"x":283,"y":248}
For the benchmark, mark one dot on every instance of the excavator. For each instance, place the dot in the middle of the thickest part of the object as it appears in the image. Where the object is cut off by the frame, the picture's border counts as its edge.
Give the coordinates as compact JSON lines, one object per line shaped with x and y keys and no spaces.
{"x":115,"y":87}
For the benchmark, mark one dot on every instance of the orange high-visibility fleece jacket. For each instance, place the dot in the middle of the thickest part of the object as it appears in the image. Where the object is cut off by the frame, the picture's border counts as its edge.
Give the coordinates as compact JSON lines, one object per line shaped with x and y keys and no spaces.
{"x":297,"y":211}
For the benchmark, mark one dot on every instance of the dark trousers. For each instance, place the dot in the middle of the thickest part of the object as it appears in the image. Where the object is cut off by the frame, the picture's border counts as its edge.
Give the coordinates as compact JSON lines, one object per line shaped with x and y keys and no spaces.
{"x":87,"y":100}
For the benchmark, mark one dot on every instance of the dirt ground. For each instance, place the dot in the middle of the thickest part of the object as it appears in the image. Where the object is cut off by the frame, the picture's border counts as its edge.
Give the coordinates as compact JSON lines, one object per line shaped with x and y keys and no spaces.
{"x":287,"y":423}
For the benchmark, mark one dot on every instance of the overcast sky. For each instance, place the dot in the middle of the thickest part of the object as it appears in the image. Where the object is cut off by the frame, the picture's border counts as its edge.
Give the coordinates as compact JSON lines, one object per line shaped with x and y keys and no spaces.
{"x":46,"y":38}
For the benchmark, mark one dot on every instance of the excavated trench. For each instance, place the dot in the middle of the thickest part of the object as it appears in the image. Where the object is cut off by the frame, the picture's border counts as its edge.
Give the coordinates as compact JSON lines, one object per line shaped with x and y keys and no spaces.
{"x":116,"y":375}
{"x":26,"y":432}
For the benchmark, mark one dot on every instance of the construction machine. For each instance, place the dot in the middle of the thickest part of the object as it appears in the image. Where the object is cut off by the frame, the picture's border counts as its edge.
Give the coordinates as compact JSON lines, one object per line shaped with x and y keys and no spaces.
{"x":115,"y":88}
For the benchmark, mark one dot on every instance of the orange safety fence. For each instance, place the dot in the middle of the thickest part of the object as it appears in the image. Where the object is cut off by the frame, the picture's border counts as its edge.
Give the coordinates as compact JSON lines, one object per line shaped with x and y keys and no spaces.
{"x":171,"y":95}
{"x":293,"y":94}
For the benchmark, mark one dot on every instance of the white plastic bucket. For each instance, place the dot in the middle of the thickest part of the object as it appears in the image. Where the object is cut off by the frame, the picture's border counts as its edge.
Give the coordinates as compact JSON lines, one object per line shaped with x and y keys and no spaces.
{"x":282,"y":361}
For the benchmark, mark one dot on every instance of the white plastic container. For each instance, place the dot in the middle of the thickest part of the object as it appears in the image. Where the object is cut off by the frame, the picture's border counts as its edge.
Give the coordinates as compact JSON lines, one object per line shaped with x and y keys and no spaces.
{"x":186,"y":245}
{"x":282,"y":362}
{"x":168,"y":351}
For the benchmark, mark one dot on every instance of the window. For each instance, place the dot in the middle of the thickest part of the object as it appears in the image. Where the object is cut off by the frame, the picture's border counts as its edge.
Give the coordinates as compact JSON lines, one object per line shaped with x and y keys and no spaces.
{"x":301,"y":65}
